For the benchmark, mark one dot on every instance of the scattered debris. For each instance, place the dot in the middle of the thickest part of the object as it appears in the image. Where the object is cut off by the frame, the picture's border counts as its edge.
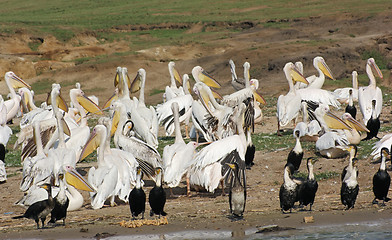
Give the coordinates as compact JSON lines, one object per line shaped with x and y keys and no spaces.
{"x":141,"y":222}
{"x":103,"y":235}
{"x":273,"y":228}
{"x":309,"y":219}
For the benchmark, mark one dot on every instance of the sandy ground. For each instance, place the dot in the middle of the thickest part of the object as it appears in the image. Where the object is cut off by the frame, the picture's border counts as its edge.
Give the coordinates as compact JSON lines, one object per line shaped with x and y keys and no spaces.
{"x":270,"y":49}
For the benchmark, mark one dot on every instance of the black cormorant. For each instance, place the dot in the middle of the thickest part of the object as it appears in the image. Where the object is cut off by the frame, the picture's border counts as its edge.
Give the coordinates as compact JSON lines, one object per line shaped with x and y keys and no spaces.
{"x":373,"y":123}
{"x":307,"y":190}
{"x":61,"y":203}
{"x":352,"y":150}
{"x":350,"y":108}
{"x":137,"y":197}
{"x":381,"y":180}
{"x":237,"y":190}
{"x":296,"y":154}
{"x":157,"y":196}
{"x":41,"y":209}
{"x":350,"y":187}
{"x":288,"y":193}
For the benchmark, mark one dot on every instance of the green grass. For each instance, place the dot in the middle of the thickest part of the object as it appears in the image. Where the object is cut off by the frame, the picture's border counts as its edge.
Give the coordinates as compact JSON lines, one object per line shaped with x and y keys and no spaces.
{"x":319,"y":176}
{"x":156,"y":91}
{"x":42,"y":86}
{"x":64,"y":19}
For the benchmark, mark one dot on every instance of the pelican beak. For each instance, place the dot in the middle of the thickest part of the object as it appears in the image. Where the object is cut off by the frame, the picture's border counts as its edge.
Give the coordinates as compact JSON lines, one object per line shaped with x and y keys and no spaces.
{"x":115,"y":121}
{"x":89,"y":105}
{"x":216,"y":94}
{"x":75,"y":179}
{"x":61,"y":103}
{"x":177,"y":76}
{"x":66,"y":129}
{"x":136,"y":84}
{"x":356,"y":125}
{"x":207,"y":79}
{"x":205,"y":99}
{"x":117,"y":77}
{"x":325,"y":69}
{"x":17,"y":82}
{"x":297,"y":76}
{"x":335,"y":122}
{"x":376,"y":69}
{"x":205,"y":143}
{"x":91,"y":145}
{"x":259,"y":98}
{"x":114,"y":97}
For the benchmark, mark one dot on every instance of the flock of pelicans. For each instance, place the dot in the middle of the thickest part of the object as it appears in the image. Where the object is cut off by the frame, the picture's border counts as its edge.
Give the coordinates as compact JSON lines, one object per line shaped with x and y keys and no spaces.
{"x":55,"y":137}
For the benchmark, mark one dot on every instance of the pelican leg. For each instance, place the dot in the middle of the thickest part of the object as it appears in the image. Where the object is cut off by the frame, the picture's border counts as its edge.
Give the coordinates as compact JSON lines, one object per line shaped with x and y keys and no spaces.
{"x":187,"y":132}
{"x":188,"y":187}
{"x":278,"y":132}
{"x":223,"y":187}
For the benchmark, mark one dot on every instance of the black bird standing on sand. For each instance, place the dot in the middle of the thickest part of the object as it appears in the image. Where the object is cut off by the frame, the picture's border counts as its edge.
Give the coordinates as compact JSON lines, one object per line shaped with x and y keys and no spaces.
{"x":41,"y":209}
{"x":157,"y":196}
{"x":350,"y":188}
{"x":381,"y":180}
{"x":307,"y":190}
{"x":61,"y":203}
{"x":288,"y":193}
{"x":237,"y":190}
{"x":137,"y":197}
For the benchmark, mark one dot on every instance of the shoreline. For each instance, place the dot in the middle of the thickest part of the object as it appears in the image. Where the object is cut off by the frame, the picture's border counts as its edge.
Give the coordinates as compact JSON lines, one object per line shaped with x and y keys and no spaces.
{"x":248,"y":226}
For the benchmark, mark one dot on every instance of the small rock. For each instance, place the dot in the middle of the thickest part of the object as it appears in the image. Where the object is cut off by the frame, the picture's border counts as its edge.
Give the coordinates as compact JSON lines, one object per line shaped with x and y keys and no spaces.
{"x":84,"y":230}
{"x":309,"y":219}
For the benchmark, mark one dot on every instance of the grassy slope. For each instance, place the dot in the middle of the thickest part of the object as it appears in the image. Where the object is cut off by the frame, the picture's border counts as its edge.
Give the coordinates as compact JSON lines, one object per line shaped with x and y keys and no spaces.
{"x":64,"y":18}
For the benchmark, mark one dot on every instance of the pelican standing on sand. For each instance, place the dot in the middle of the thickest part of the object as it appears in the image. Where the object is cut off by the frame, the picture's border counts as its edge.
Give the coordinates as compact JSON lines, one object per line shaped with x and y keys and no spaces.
{"x":144,"y":118}
{"x":289,"y":105}
{"x":177,"y":157}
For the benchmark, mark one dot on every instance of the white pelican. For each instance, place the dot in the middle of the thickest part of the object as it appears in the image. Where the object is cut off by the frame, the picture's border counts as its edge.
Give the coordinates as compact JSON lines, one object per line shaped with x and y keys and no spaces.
{"x":145,"y":119}
{"x":342,"y":94}
{"x":35,"y":113}
{"x":200,"y":75}
{"x":56,"y":159}
{"x":116,"y":172}
{"x":177,"y":157}
{"x":13,"y":105}
{"x":317,"y":81}
{"x":289,"y":105}
{"x":147,"y":156}
{"x":220,"y":122}
{"x":81,"y":133}
{"x":172,"y":91}
{"x":331,"y":144}
{"x":165,"y":114}
{"x":206,"y":169}
{"x":5,"y":134}
{"x":308,"y":131}
{"x":352,"y":134}
{"x":384,"y":142}
{"x":239,"y":83}
{"x":367,"y":94}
